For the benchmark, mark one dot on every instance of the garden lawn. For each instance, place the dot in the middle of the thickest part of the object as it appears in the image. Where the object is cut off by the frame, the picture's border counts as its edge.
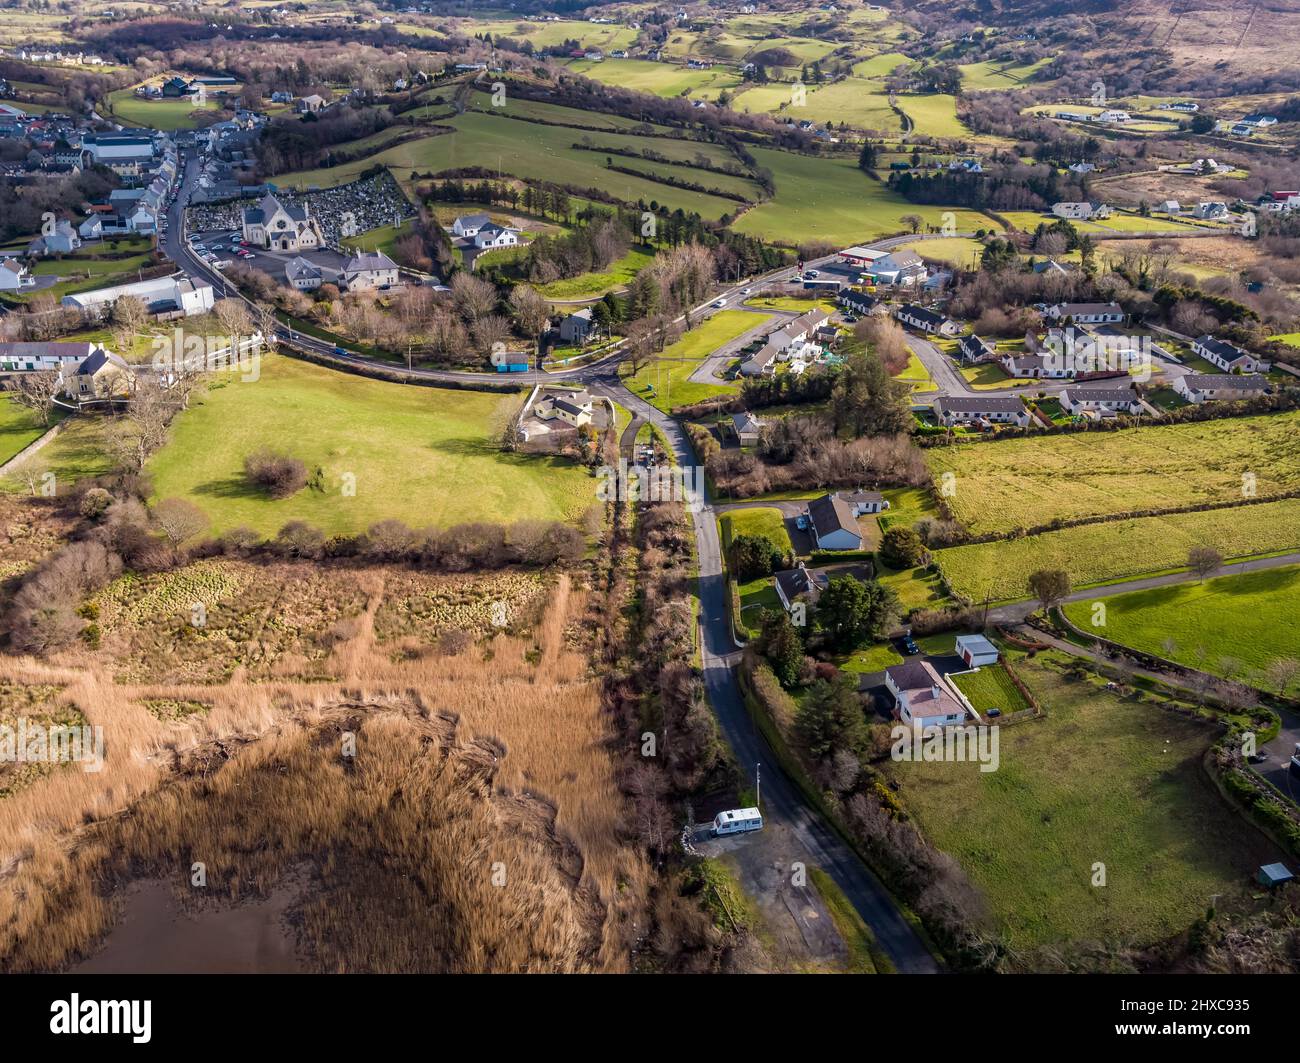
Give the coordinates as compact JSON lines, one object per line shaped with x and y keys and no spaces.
{"x":167,"y":115}
{"x":831,"y":199}
{"x":19,"y":428}
{"x":665,"y":383}
{"x":1099,"y":780}
{"x":1028,"y":482}
{"x":1250,"y":618}
{"x":991,"y":688}
{"x":1119,"y":549}
{"x":769,"y":523}
{"x":426,"y":456}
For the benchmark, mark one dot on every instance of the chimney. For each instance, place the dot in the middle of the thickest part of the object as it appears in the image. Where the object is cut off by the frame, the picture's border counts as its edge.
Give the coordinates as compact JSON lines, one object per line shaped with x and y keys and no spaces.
{"x":935,"y":691}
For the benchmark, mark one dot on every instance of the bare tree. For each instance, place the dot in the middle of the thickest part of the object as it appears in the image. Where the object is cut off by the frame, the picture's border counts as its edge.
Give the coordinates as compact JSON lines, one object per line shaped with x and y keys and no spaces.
{"x":531,"y":312}
{"x":1204,"y":561}
{"x":474,"y":297}
{"x":1281,"y":673}
{"x":179,"y":519}
{"x":37,"y":391}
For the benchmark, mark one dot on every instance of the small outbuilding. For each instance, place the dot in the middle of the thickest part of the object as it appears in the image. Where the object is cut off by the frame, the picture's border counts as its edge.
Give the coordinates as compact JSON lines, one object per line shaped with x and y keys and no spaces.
{"x":1274,"y":875}
{"x":976,"y":650}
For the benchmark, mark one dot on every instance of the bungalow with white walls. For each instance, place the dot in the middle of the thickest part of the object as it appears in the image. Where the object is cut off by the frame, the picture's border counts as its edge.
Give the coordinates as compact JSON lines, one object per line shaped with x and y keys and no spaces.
{"x":1220,"y":387}
{"x":950,"y":410}
{"x":1102,"y":402}
{"x":1228,"y":356}
{"x":922,"y":697}
{"x":928,"y":321}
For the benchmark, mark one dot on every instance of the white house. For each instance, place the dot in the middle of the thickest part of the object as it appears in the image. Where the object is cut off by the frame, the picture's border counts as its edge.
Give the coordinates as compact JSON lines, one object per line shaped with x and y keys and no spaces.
{"x":1228,"y":356}
{"x":303,"y":274}
{"x":747,"y":427}
{"x":1087,"y":313}
{"x":63,"y":357}
{"x":1103,"y":402}
{"x":103,"y":375}
{"x":490,"y":236}
{"x":571,"y":407}
{"x":833,"y":524}
{"x":468,"y":225}
{"x":798,"y":584}
{"x":761,"y":362}
{"x":972,"y":350}
{"x":922,"y":697}
{"x":976,"y":651}
{"x":1221,"y":387}
{"x":368,"y":269}
{"x":1035,"y":366}
{"x":928,"y":321}
{"x":1080,"y":211}
{"x":14,"y":276}
{"x":1210,"y":211}
{"x":952,"y":410}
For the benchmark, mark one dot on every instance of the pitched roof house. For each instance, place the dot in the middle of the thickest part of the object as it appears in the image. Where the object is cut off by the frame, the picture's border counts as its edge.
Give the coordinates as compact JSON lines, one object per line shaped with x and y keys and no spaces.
{"x":951,"y":410}
{"x":1212,"y":387}
{"x":833,"y":524}
{"x":923,"y":697}
{"x":1228,"y":356}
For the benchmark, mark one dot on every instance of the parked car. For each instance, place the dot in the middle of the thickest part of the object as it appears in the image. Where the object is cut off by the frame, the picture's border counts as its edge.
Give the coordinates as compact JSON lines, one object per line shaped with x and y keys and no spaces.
{"x":993,"y":714}
{"x":1257,"y":758}
{"x":909,"y":646}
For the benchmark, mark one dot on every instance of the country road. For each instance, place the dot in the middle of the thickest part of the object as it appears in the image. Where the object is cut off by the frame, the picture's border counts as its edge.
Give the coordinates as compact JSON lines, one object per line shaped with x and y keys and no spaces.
{"x":782,"y":801}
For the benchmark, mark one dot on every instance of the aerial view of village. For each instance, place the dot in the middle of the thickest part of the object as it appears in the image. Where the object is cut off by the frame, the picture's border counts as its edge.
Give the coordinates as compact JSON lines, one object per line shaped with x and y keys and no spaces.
{"x":737,"y":487}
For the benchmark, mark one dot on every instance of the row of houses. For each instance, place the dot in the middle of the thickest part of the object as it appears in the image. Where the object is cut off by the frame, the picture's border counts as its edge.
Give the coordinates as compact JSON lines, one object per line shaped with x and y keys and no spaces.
{"x":87,"y":371}
{"x":789,"y":343}
{"x":363,"y":271}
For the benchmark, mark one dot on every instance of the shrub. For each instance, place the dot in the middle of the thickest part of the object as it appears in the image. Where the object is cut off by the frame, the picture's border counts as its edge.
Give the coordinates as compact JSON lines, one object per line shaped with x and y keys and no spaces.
{"x":277,"y":474}
{"x":901,"y":547}
{"x":94,"y":503}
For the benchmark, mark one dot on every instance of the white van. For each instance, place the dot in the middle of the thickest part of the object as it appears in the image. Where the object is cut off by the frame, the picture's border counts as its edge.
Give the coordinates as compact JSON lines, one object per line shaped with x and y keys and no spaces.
{"x":737,"y":821}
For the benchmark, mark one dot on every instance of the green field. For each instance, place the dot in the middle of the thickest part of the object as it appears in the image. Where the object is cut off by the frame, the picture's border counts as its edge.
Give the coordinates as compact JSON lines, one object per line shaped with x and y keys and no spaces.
{"x":422,"y":455}
{"x":996,"y":74}
{"x":529,"y":150}
{"x":831,"y":199}
{"x":1100,"y":780}
{"x":665,"y":383}
{"x":934,"y":115}
{"x":861,"y":102}
{"x":1249,"y":618}
{"x":1029,"y":482}
{"x":167,"y":115}
{"x":1120,"y":549}
{"x":19,"y":427}
{"x":953,"y":250}
{"x":658,"y":79}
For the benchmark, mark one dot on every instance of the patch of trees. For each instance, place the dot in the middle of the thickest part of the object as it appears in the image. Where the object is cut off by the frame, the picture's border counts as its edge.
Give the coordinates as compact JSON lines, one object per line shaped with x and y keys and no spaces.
{"x":1013,"y":187}
{"x":305,"y":142}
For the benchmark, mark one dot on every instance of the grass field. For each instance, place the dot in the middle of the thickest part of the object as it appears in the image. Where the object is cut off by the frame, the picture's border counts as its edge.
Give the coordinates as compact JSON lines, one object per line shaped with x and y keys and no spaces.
{"x":658,"y":79}
{"x":1021,"y":483}
{"x":76,"y":453}
{"x":1100,"y":780}
{"x":665,"y":383}
{"x":760,"y":520}
{"x":167,"y":115}
{"x":953,"y":250}
{"x":1249,"y":618}
{"x":1120,"y":549}
{"x":527,"y":149}
{"x":861,"y":102}
{"x":831,"y":199}
{"x":422,"y":455}
{"x":934,"y":115}
{"x":19,"y":427}
{"x":995,"y":74}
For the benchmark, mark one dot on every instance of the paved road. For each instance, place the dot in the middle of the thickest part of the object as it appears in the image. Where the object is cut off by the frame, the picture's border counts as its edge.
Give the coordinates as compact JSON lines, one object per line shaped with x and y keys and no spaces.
{"x":1016,"y":612}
